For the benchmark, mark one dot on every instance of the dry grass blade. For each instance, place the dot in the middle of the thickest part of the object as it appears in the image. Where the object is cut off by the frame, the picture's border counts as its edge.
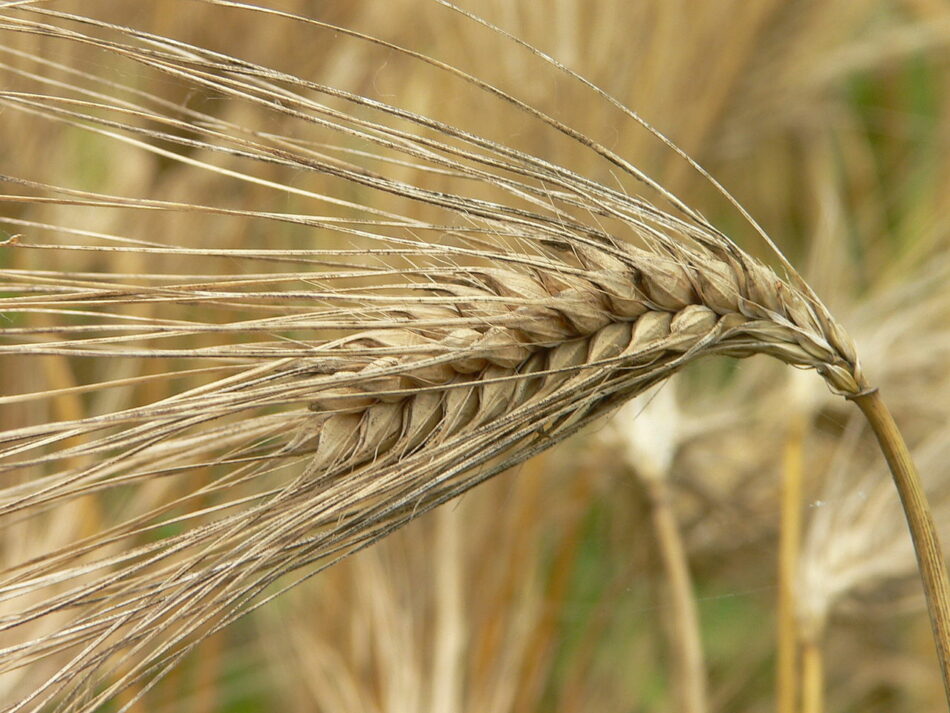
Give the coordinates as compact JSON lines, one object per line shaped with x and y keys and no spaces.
{"x":443,"y":331}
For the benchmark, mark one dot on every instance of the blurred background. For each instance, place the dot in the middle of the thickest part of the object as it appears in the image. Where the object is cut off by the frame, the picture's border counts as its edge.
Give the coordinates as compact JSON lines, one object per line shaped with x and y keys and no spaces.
{"x":559,"y":587}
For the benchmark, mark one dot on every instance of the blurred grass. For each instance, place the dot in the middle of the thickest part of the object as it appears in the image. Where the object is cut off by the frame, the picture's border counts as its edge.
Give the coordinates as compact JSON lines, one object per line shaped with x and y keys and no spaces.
{"x":848,"y":170}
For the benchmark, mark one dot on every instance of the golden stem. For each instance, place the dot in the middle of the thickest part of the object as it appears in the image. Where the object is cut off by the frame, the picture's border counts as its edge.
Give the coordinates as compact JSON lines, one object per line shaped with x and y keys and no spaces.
{"x":813,"y":677}
{"x":933,"y":568}
{"x":789,"y":545}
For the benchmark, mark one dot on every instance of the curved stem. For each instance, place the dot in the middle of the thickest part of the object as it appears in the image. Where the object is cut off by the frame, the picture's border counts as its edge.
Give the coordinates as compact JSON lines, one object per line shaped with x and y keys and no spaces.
{"x":933,"y":568}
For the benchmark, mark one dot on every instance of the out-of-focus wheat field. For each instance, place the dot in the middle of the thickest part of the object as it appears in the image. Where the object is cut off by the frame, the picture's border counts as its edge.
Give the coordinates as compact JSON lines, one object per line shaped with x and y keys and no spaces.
{"x":545,"y":590}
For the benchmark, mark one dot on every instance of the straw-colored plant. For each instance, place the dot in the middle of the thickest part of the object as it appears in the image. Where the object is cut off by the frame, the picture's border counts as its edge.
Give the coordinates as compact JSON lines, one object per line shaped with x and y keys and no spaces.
{"x":650,"y":429}
{"x":855,"y":542}
{"x":441,"y":331}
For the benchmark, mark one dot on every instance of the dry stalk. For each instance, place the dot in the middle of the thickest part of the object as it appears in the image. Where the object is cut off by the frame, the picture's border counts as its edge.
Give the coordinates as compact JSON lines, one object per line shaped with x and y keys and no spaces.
{"x":930,"y":558}
{"x":855,"y":541}
{"x":813,"y":677}
{"x":789,"y":545}
{"x":689,"y":664}
{"x":373,"y":383}
{"x":650,"y":431}
{"x":790,"y":536}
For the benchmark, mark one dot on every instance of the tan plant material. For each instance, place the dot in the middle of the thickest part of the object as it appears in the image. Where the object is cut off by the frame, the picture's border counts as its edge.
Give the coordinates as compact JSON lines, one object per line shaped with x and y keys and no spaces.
{"x":798,"y":417}
{"x":649,"y":429}
{"x":437,"y":617}
{"x":440,"y":336}
{"x":856,"y":539}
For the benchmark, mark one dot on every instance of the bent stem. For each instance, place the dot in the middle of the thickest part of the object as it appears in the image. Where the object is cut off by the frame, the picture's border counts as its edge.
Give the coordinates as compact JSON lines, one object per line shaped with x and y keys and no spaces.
{"x":933,"y":568}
